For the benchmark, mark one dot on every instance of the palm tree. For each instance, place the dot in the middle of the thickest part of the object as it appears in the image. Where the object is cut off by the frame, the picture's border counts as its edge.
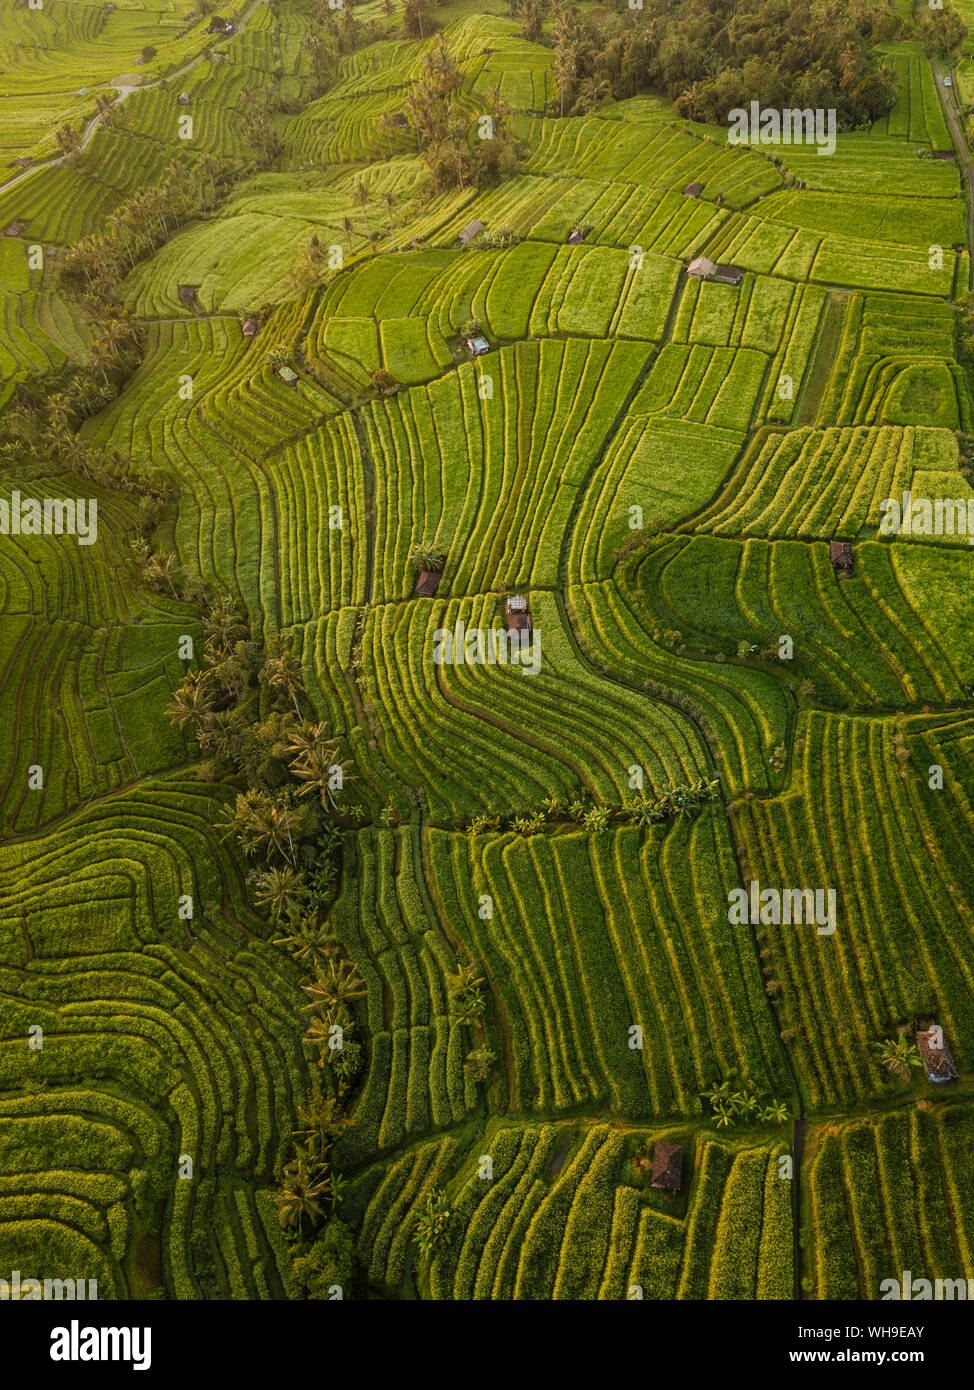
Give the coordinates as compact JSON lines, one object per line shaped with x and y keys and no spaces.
{"x":282,"y":891}
{"x":433,"y":1222}
{"x":308,"y":939}
{"x":337,"y":984}
{"x":192,"y":700}
{"x":348,"y":227}
{"x":899,"y":1055}
{"x":67,"y":139}
{"x":389,"y":201}
{"x":162,"y":567}
{"x":362,"y":197}
{"x":319,"y":1122}
{"x":302,"y":1195}
{"x":283,"y":673}
{"x":260,"y":822}
{"x":463,"y":981}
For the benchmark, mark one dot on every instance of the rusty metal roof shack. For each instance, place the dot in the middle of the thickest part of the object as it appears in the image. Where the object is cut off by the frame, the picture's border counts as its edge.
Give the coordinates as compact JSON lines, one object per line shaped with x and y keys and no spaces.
{"x":427,"y":583}
{"x":840,"y":554}
{"x":518,"y":619}
{"x":937,"y":1058}
{"x":667,"y":1166}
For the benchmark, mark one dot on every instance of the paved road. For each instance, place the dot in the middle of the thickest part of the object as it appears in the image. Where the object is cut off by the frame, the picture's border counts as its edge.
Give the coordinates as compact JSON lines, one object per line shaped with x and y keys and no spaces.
{"x":948,"y":96}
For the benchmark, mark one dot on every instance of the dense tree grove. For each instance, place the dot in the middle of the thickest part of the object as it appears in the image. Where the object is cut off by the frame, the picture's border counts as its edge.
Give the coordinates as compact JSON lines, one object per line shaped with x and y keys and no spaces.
{"x":710,"y":57}
{"x":457,"y":153}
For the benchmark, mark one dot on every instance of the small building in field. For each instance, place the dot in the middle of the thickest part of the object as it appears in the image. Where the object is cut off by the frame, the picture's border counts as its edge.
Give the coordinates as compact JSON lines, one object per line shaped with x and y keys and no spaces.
{"x":183,"y":98}
{"x":471,"y":232}
{"x":400,"y":120}
{"x":187,"y":294}
{"x":16,"y":228}
{"x":693,"y":190}
{"x":288,"y":374}
{"x":427,"y":583}
{"x":220,"y":26}
{"x":23,"y":162}
{"x":478,"y":345}
{"x":840,"y":554}
{"x":727,"y":274}
{"x":518,"y":619}
{"x":700,"y":269}
{"x":578,"y":236}
{"x":250,"y":327}
{"x":938,"y":1061}
{"x":667,"y":1173}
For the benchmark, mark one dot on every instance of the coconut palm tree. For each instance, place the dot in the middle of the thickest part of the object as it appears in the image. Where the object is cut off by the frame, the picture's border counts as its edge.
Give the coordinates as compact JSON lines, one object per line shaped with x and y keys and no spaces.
{"x":389,"y":202}
{"x":302,"y":1196}
{"x":283,"y":673}
{"x":192,"y":700}
{"x":348,"y":227}
{"x":282,"y":891}
{"x":261,"y":823}
{"x":362,"y":197}
{"x":308,"y":939}
{"x":336,"y":984}
{"x":899,"y":1055}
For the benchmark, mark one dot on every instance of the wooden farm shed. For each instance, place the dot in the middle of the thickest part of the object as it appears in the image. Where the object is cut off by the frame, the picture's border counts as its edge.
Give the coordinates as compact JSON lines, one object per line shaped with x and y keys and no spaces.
{"x":667,"y":1166}
{"x":727,"y":274}
{"x":250,"y":327}
{"x":577,"y":236}
{"x":288,"y":374}
{"x":471,"y":232}
{"x":700,"y":269}
{"x":427,"y":583}
{"x":693,"y":190}
{"x":938,"y":1061}
{"x":187,"y":294}
{"x":840,"y":553}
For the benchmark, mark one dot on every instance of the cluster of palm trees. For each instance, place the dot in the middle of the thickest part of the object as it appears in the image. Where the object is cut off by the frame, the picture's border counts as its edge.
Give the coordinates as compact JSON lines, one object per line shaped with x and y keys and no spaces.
{"x":282,"y":818}
{"x":309,"y":1188}
{"x":43,"y":418}
{"x":675,"y":803}
{"x":581,"y":85}
{"x":468,"y":1003}
{"x":339,"y":33}
{"x":97,"y":264}
{"x":730,"y":1105}
{"x":258,"y":130}
{"x":454,"y":157}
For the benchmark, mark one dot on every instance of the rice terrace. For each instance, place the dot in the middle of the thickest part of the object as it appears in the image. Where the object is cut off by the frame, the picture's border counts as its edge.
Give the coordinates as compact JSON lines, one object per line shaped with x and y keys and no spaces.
{"x":487,"y":775}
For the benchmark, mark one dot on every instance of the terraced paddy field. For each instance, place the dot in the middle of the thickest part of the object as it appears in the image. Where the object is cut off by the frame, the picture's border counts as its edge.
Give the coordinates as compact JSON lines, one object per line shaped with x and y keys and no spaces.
{"x":476,"y":605}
